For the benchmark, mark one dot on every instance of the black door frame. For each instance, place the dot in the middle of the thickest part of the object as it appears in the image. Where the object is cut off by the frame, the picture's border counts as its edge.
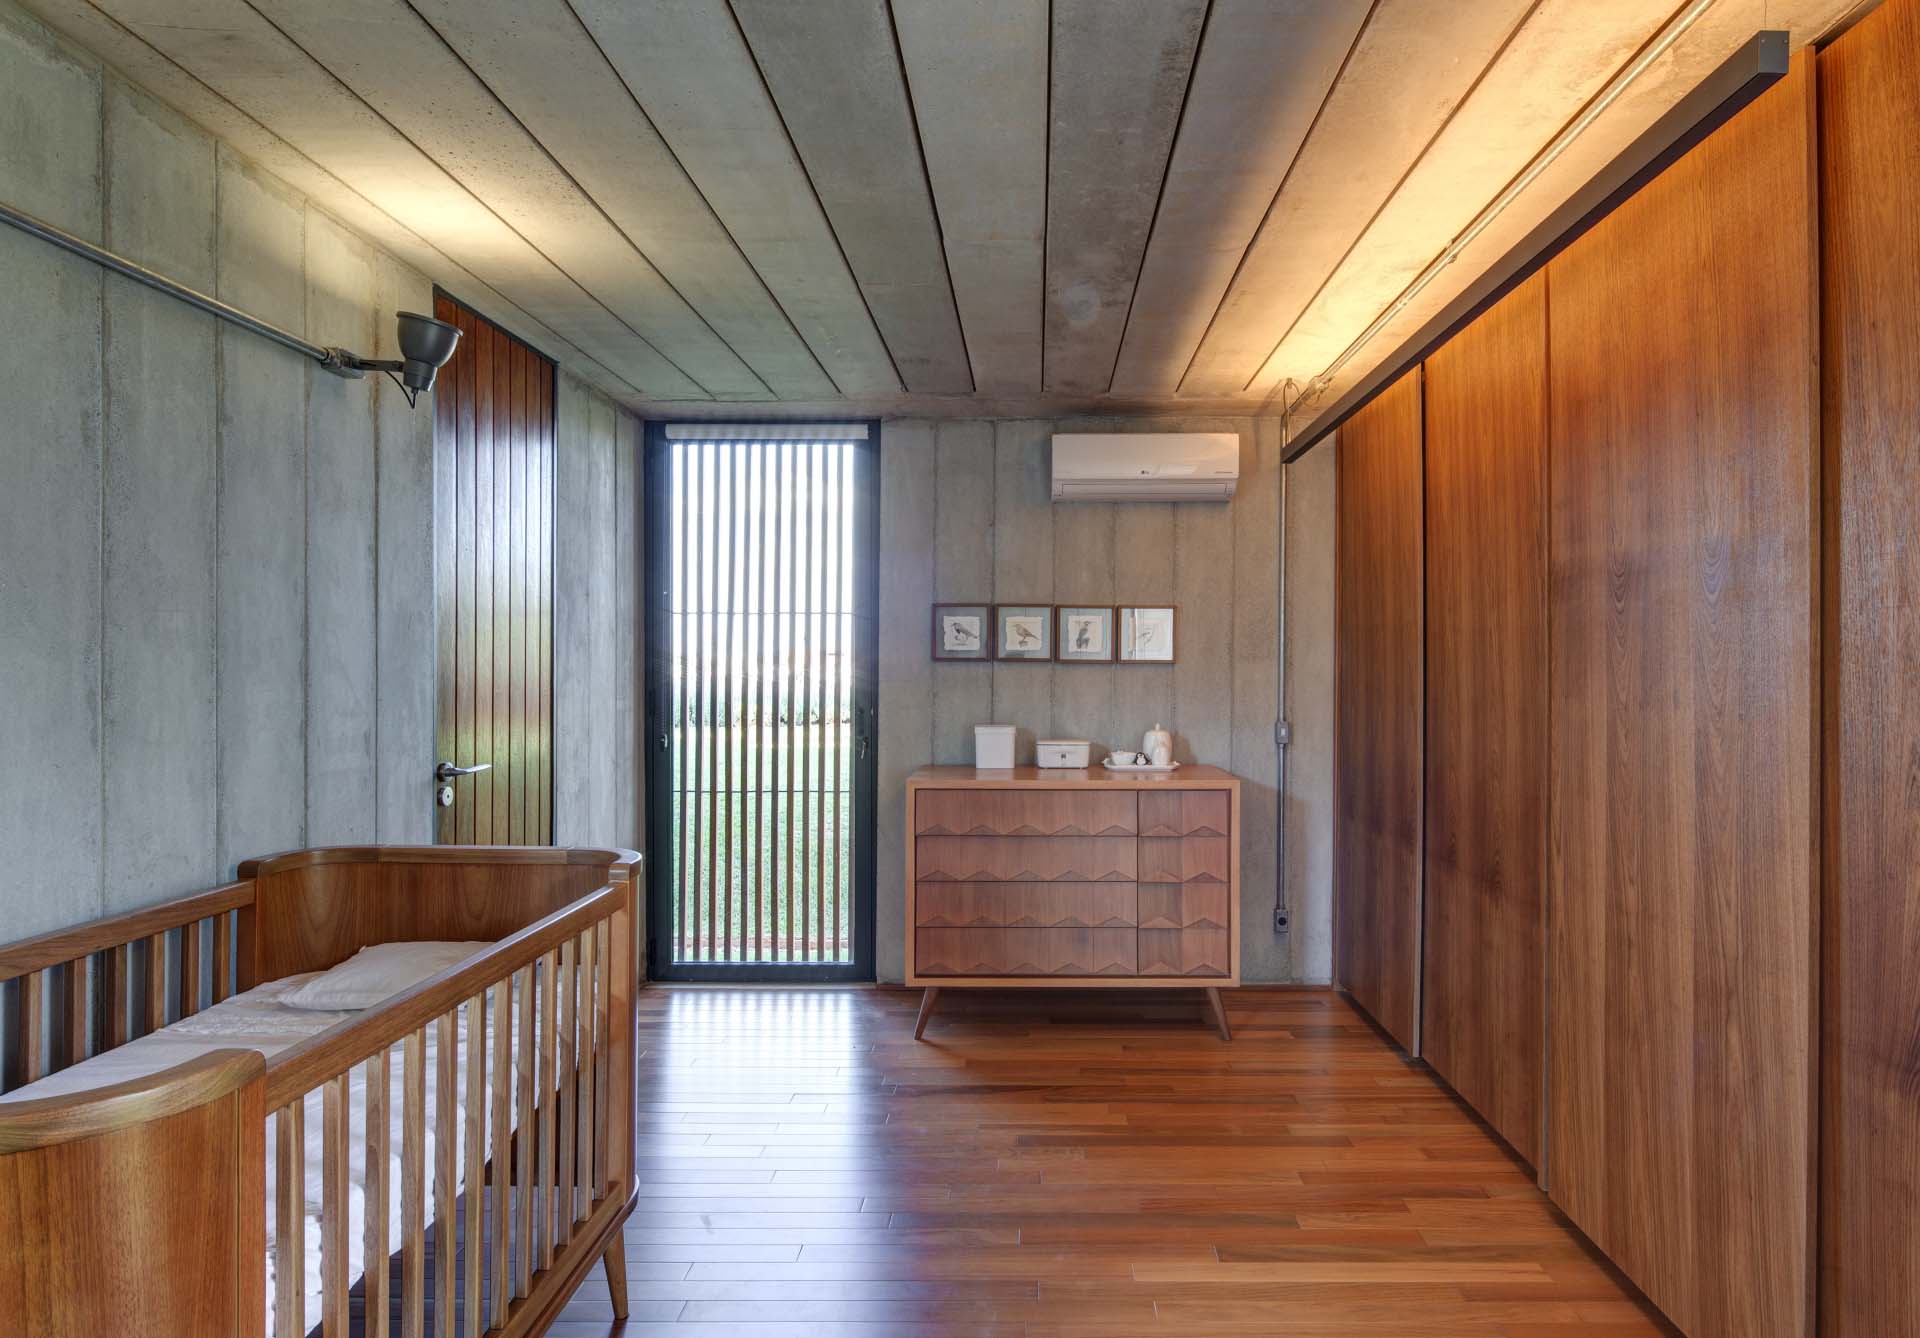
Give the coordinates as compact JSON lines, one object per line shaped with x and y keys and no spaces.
{"x":661,"y":877}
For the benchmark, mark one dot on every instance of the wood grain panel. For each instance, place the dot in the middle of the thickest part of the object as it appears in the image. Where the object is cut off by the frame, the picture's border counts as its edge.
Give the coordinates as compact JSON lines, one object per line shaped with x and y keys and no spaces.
{"x":1870,"y":932}
{"x":1026,"y":859}
{"x":1184,"y":813}
{"x":1189,"y":859}
{"x":1164,"y":906}
{"x":1025,"y":813}
{"x":1025,"y":952}
{"x":1184,"y":952}
{"x":1483,"y":950}
{"x":1682,"y":822}
{"x":1378,"y":704}
{"x":1034,"y":905}
{"x":493,"y":463}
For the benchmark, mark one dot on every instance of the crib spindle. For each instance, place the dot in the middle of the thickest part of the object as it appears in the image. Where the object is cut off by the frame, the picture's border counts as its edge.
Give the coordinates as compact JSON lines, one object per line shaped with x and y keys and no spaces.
{"x":79,"y":1034}
{"x":119,"y":987}
{"x":523,"y":1137}
{"x":379,"y":1078}
{"x":446,"y":1138}
{"x":500,"y":1085}
{"x":157,"y":981}
{"x":569,"y":1015}
{"x":335,"y":1276}
{"x":585,"y":1061}
{"x":476,"y":1134}
{"x":602,"y":1083}
{"x":190,"y":969}
{"x":222,"y":955}
{"x":31,"y":1014}
{"x":543,"y":1165}
{"x":413,"y":1186}
{"x":290,"y":1226}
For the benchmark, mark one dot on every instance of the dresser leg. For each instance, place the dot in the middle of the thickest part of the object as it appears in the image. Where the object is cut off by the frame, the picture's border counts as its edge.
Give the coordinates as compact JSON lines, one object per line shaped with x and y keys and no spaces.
{"x":927,"y":996}
{"x":1219,"y":1013}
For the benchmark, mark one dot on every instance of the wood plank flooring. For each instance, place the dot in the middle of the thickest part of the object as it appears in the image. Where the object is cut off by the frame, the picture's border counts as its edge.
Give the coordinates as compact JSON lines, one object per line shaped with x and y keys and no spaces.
{"x":1051,"y":1166}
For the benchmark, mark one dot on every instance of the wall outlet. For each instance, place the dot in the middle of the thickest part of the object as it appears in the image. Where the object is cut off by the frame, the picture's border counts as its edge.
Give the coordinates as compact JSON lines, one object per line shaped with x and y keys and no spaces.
{"x":1281,"y":921}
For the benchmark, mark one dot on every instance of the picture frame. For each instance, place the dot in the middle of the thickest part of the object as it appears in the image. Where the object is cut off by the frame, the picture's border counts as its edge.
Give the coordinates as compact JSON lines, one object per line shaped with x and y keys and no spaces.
{"x":1085,"y":633}
{"x":1023,"y":632}
{"x":1146,"y":633}
{"x":963,"y":632}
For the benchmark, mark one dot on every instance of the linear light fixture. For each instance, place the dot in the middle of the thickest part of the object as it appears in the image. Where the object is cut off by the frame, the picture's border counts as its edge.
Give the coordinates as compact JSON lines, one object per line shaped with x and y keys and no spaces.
{"x":1559,"y":144}
{"x":425,"y":343}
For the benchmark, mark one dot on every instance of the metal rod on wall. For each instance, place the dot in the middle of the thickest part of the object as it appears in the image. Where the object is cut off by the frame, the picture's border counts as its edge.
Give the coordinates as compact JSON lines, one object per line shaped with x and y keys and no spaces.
{"x":337,"y":361}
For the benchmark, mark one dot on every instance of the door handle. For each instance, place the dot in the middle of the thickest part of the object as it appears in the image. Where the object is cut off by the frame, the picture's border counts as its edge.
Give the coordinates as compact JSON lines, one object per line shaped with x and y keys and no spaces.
{"x":446,"y":771}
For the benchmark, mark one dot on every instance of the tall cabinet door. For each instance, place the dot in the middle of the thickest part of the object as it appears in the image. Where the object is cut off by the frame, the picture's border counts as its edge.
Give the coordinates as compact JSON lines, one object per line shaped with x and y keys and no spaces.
{"x":1486,"y":812}
{"x":1683,"y":605}
{"x":1377,"y":709}
{"x":1870,"y":931}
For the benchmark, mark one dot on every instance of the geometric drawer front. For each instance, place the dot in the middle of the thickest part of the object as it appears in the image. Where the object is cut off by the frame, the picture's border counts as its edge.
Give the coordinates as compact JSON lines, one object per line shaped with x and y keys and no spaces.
{"x":1025,"y":813}
{"x":1185,"y":859}
{"x":1184,"y":813}
{"x":1183,"y":906}
{"x":1026,"y":905}
{"x":1024,"y":952}
{"x":1028,"y":859}
{"x":1184,"y":952}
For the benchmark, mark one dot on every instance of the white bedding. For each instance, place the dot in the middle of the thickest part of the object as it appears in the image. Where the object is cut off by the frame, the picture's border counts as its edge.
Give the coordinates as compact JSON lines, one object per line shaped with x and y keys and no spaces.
{"x":256,"y":1019}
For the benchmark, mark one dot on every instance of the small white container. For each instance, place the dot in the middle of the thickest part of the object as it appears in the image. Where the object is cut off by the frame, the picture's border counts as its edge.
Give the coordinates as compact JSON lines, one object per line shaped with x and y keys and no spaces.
{"x":1063,"y":752}
{"x":993,"y":747}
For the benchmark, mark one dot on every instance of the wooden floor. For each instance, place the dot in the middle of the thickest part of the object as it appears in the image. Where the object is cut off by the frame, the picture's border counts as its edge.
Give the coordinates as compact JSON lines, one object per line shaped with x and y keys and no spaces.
{"x":1087,"y":1166}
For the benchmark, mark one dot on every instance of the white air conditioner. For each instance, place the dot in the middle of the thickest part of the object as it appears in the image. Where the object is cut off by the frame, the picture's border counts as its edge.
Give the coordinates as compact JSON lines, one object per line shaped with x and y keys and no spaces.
{"x":1145,"y":466}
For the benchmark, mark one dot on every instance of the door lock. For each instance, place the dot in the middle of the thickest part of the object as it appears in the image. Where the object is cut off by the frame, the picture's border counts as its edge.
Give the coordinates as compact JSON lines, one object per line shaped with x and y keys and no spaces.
{"x":444,"y":796}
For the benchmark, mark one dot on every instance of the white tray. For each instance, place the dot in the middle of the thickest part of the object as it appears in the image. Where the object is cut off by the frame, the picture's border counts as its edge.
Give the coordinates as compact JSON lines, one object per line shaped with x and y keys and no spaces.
{"x":1141,"y":771}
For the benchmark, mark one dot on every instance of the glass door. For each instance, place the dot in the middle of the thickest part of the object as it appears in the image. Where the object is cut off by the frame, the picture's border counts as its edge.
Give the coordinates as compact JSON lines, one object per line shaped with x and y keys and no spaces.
{"x":761,"y":645}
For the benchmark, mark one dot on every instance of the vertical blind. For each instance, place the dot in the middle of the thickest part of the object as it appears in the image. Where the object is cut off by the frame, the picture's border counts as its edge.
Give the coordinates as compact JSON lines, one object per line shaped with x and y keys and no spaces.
{"x":759,"y":721}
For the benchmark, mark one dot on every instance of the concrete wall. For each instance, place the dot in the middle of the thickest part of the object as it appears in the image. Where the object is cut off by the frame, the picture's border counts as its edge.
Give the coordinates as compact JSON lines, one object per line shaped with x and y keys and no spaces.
{"x":966,"y":517}
{"x":216,"y":586}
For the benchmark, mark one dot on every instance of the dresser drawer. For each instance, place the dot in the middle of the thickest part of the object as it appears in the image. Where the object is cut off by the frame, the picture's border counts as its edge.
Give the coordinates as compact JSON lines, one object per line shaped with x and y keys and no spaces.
{"x":1026,"y":905}
{"x":1024,"y":952}
{"x":1185,"y":813}
{"x":1184,"y":859}
{"x":1026,"y":859}
{"x":1182,"y":906}
{"x":1025,"y":813}
{"x":1185,"y":952}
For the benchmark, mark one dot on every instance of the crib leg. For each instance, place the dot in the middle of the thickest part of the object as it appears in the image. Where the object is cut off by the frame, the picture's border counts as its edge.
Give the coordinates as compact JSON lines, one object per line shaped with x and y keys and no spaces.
{"x":616,"y":1257}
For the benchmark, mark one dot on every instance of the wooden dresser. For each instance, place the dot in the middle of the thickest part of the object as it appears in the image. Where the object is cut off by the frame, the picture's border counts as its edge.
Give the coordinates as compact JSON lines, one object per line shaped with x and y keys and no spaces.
{"x":1088,"y":879}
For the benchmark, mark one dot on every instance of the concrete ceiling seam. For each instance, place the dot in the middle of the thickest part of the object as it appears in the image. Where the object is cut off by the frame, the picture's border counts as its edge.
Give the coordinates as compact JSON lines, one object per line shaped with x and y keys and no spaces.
{"x":599,"y":137}
{"x":409,"y":72}
{"x":976,"y":80}
{"x":1121,"y":72}
{"x":1231,"y":159}
{"x":854,"y":134}
{"x":1160,"y":193}
{"x":1412,"y":167}
{"x":926,"y":180}
{"x":251,"y":64}
{"x":147,"y":66}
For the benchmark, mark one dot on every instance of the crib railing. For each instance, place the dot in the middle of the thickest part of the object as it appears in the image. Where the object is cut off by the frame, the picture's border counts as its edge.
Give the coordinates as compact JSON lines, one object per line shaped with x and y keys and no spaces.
{"x":96,"y":986}
{"x":528,"y":1031}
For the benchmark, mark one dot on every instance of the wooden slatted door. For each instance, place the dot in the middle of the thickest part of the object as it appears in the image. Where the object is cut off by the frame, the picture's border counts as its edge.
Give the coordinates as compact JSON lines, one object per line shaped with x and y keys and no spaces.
{"x":493,"y":447}
{"x":762,"y":637}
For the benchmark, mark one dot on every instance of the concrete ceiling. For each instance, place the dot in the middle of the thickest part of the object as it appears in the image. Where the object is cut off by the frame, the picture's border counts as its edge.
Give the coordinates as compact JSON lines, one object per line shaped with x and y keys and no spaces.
{"x":930,"y":206}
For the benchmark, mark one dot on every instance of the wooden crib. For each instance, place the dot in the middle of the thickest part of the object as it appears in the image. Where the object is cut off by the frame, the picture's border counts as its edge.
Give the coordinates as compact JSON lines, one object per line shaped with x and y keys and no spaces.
{"x":142,"y":1207}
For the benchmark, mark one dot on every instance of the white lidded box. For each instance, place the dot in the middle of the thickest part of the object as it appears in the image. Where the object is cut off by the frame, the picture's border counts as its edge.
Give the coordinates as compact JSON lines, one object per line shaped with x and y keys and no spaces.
{"x":1063,"y":752}
{"x":993,"y":747}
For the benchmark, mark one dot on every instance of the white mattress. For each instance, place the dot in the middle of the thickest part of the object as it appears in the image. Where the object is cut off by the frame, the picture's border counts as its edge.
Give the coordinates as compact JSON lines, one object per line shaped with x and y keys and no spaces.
{"x":256,"y":1020}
